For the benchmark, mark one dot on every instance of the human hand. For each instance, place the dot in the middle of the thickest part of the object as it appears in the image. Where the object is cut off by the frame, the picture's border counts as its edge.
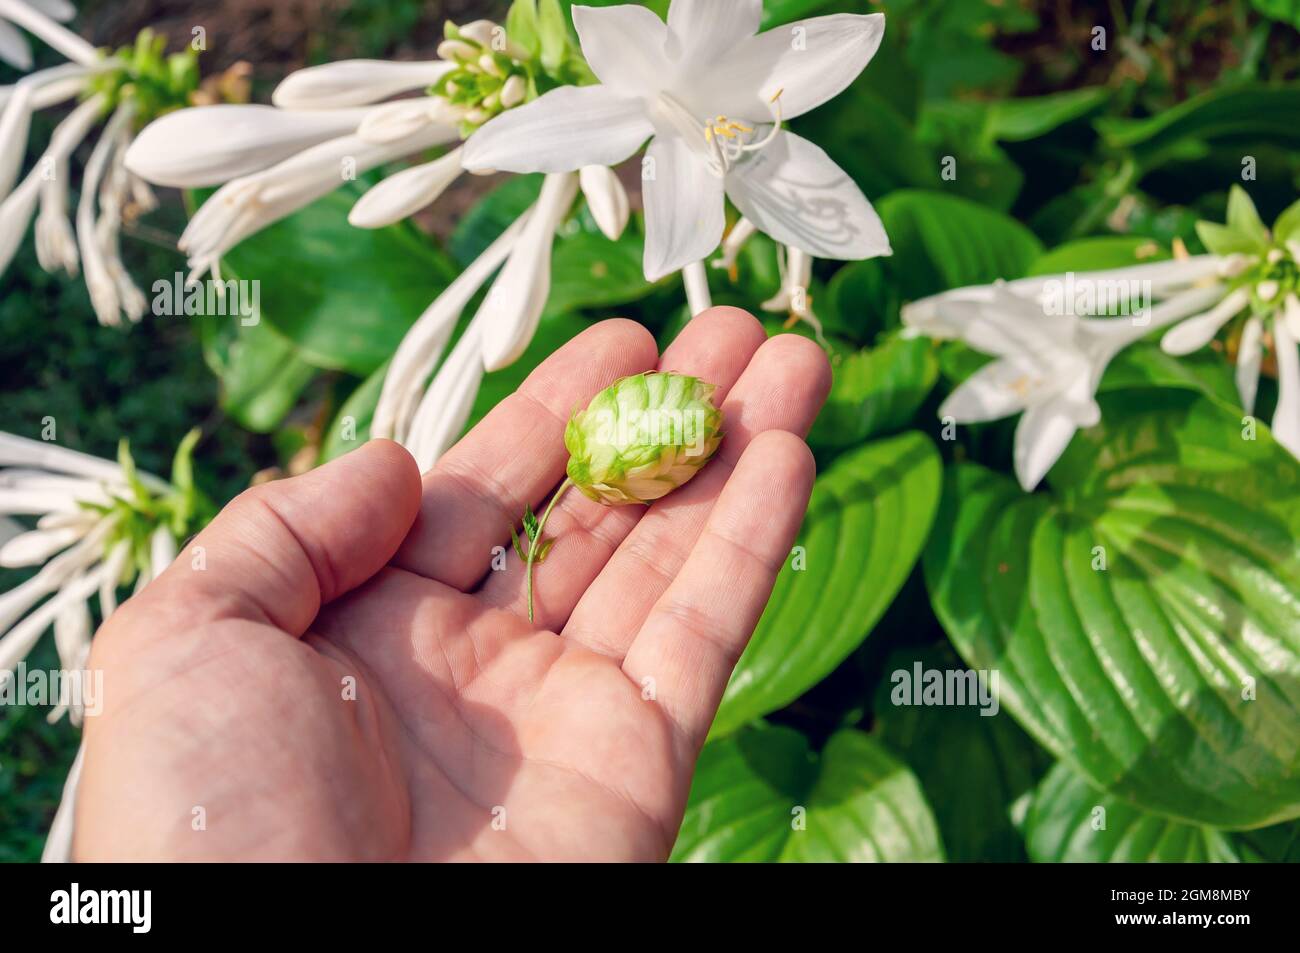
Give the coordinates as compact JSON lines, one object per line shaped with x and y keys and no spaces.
{"x":347,"y":679}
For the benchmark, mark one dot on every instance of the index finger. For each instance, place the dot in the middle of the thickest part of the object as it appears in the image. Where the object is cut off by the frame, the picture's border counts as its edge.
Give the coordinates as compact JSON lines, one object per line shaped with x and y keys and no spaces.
{"x":515,"y":456}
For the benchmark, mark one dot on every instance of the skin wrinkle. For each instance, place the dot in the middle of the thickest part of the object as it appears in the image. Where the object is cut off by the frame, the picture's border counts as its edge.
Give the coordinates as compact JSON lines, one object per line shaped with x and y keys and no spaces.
{"x":772,"y":566}
{"x":696,"y":623}
{"x":358,"y":669}
{"x":323,"y":571}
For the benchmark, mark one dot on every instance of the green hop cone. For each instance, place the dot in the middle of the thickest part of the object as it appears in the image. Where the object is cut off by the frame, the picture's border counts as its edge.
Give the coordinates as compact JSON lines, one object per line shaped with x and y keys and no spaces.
{"x":642,"y":437}
{"x":639,"y":439}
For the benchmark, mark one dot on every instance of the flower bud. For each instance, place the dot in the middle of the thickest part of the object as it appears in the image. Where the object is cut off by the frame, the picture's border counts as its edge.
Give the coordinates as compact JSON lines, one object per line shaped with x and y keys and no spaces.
{"x":642,"y":437}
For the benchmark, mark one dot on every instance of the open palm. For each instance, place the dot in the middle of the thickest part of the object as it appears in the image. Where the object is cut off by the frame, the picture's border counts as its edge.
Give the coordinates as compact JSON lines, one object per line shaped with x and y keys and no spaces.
{"x":341,"y":665}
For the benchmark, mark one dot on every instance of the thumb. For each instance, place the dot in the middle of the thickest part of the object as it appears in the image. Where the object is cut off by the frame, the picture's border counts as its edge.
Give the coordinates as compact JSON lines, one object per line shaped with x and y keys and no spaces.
{"x":280,"y":551}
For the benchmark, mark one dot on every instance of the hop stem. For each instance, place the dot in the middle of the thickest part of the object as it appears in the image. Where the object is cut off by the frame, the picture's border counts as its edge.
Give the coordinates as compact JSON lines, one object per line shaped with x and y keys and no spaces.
{"x":536,"y":541}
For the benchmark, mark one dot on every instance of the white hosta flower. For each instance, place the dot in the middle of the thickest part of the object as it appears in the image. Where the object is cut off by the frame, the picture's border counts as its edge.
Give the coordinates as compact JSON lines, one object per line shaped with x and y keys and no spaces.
{"x":711,"y":95}
{"x":1049,"y":362}
{"x":329,"y":124}
{"x":98,"y":525}
{"x":1258,"y":283}
{"x":120,"y":87}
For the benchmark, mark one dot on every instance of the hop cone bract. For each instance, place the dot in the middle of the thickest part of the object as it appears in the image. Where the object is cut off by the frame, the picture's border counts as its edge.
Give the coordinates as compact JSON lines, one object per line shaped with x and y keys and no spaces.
{"x":642,"y":437}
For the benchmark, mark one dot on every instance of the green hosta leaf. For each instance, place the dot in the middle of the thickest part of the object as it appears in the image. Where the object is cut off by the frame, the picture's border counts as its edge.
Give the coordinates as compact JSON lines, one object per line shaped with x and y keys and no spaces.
{"x":867,"y":520}
{"x":1067,"y":820}
{"x":1145,"y":365}
{"x":777,"y":12}
{"x":942,"y":242}
{"x":1170,"y":677}
{"x":754,"y":791}
{"x":1279,"y":844}
{"x":1098,"y":254}
{"x":1016,"y":120}
{"x":882,"y":155}
{"x":351,"y":425}
{"x":1229,"y":113}
{"x":939,"y":242}
{"x":875,"y":390}
{"x":344,"y":296}
{"x":590,"y":271}
{"x":972,"y":766}
{"x":261,"y":372}
{"x":492,"y":215}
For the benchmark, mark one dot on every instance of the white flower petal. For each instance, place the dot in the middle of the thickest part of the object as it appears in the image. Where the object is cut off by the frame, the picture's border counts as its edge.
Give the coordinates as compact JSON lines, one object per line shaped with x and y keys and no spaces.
{"x":25,"y":452}
{"x":110,"y":576}
{"x":423,"y":344}
{"x":701,"y":31}
{"x":1250,"y":354}
{"x":624,"y":46}
{"x":14,"y":49}
{"x":60,"y":10}
{"x":1042,"y":435}
{"x":58,"y":844}
{"x":1291,"y":315}
{"x":355,"y":82}
{"x":36,"y":546}
{"x":15,"y":121}
{"x":206,"y":145}
{"x":997,"y":390}
{"x":606,"y":199}
{"x":54,"y":574}
{"x":1286,"y":418}
{"x":34,"y":20}
{"x":406,"y":192}
{"x":18,"y":641}
{"x":442,"y":413}
{"x":242,"y":207}
{"x":734,"y":241}
{"x":1196,"y":332}
{"x":509,"y":314}
{"x":808,"y":62}
{"x":684,"y":208}
{"x":796,"y":194}
{"x":162,"y":551}
{"x":15,"y":215}
{"x":405,"y":117}
{"x":562,"y":131}
{"x":96,"y":259}
{"x":72,"y":631}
